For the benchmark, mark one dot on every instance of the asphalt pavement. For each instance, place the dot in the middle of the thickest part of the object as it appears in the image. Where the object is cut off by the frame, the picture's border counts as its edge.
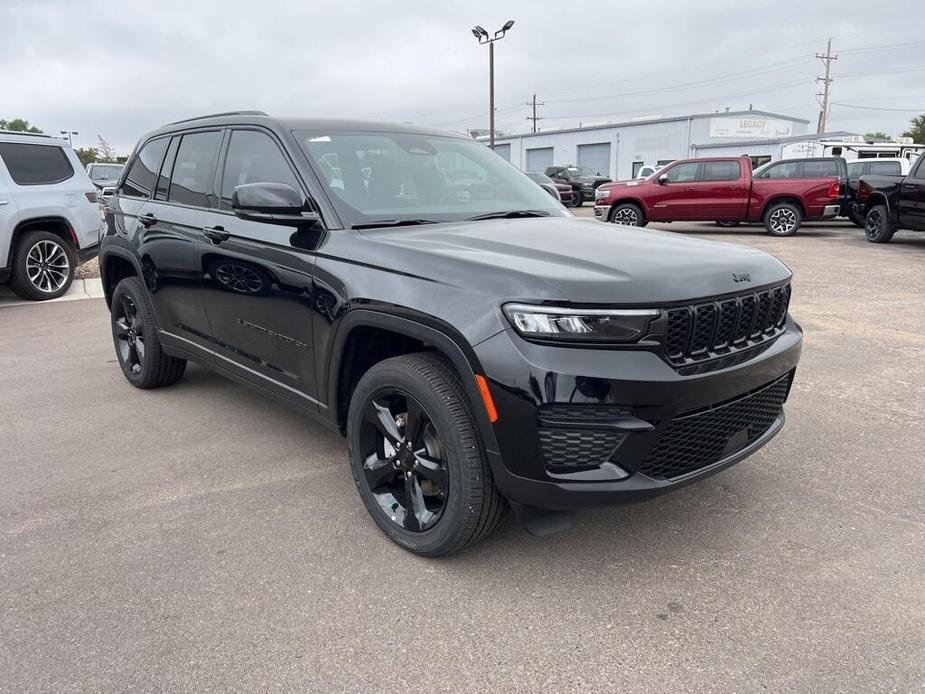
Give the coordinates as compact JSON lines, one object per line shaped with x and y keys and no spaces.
{"x":202,"y":538}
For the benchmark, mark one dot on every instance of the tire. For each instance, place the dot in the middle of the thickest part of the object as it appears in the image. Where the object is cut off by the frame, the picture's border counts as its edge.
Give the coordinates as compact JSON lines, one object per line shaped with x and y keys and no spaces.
{"x":134,"y":335}
{"x":43,"y":266}
{"x":878,"y":228}
{"x":462,"y":504}
{"x":577,"y":197}
{"x":727,"y":225}
{"x":782,"y":219}
{"x":628,"y":214}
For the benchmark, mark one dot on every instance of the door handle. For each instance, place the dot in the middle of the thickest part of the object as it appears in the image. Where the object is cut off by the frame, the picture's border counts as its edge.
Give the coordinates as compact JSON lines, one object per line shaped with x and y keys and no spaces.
{"x":215,"y":234}
{"x":688,"y":190}
{"x":148,"y":220}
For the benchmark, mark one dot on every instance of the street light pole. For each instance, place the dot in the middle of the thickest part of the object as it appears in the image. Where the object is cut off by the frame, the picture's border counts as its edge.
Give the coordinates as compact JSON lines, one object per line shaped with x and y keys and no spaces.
{"x":70,"y":142}
{"x":484,"y":37}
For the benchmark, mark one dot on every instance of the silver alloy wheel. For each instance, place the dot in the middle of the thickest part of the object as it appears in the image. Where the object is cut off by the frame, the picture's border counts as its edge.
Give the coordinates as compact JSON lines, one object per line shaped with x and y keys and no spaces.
{"x":47,"y":266}
{"x":782,"y":220}
{"x":627,"y":216}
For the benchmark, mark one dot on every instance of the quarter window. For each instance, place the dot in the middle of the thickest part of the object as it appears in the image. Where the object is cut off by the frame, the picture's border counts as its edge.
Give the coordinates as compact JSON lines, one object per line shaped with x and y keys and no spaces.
{"x":139,"y":182}
{"x":253,"y":157}
{"x":192,"y":181}
{"x":33,"y":165}
{"x":885,"y":167}
{"x":721,"y":171}
{"x":682,"y":173}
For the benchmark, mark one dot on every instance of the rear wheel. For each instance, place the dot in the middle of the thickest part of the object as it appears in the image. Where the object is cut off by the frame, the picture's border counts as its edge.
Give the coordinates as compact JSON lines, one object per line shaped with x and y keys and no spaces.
{"x":628,"y":214}
{"x":727,"y":225}
{"x":43,"y":266}
{"x":135,"y":336}
{"x":416,"y":457}
{"x":782,"y":219}
{"x":577,"y":199}
{"x":877,"y":226}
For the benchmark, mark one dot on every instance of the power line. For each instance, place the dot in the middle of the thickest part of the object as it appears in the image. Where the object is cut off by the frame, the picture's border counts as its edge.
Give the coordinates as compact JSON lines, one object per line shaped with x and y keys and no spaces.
{"x":875,"y":108}
{"x":535,"y":117}
{"x":827,"y":59}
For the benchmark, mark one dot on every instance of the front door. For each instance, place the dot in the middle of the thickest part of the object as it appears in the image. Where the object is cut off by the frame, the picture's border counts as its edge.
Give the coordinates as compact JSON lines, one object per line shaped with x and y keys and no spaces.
{"x":912,"y":198}
{"x":257,"y":277}
{"x":672,"y":199}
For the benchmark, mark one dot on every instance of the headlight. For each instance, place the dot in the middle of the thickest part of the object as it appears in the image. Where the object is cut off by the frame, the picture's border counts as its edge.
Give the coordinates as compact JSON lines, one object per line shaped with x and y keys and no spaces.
{"x":579,"y":325}
{"x":598,"y":194}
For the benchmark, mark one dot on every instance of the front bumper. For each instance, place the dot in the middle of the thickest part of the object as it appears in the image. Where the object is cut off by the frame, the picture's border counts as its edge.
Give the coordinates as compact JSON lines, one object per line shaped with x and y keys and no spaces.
{"x":600,"y":212}
{"x":529,"y":380}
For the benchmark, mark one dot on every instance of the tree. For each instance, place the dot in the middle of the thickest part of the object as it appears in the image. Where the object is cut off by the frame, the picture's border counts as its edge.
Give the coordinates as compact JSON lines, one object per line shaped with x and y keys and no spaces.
{"x":87,"y":155}
{"x":879,"y":135}
{"x":917,"y":131}
{"x":19,"y":125}
{"x":105,"y":150}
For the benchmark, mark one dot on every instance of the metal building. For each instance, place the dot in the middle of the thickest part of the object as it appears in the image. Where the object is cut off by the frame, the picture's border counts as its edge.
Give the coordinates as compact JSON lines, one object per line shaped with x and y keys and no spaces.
{"x":619,"y":150}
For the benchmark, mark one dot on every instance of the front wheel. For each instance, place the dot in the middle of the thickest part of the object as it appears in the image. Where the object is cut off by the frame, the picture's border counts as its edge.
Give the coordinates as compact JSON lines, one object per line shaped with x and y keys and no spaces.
{"x":628,"y":214}
{"x":416,"y":457}
{"x":877,"y":226}
{"x":783,"y":219}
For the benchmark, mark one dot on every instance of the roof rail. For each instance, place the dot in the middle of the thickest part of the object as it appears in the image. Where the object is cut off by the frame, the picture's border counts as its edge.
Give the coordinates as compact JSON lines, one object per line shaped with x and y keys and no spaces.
{"x":216,"y":115}
{"x":20,"y":132}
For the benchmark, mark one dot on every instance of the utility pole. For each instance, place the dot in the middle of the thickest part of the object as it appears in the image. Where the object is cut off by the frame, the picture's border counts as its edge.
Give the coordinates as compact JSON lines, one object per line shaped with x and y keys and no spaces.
{"x":827,"y":59}
{"x":535,"y":117}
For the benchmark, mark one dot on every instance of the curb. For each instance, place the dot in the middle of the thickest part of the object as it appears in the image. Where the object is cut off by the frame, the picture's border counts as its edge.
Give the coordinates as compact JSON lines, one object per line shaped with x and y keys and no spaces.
{"x":80,"y":289}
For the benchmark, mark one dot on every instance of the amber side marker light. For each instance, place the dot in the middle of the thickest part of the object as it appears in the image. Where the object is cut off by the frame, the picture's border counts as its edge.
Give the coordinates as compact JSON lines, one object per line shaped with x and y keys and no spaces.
{"x":486,"y":398}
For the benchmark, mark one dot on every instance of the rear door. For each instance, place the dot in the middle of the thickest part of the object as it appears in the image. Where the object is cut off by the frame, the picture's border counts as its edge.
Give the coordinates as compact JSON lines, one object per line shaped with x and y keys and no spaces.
{"x":911,"y":206}
{"x":722,"y":191}
{"x":9,"y":217}
{"x":258,"y":277}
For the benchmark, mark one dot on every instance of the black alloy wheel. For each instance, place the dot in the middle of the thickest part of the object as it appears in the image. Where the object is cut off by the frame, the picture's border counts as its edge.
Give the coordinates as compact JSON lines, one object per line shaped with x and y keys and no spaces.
{"x":129,"y":331}
{"x":878,"y":227}
{"x":403,"y":463}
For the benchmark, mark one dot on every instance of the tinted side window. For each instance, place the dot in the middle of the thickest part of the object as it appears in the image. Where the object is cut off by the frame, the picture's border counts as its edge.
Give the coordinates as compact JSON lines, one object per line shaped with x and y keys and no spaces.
{"x":32,"y":165}
{"x":682,"y":173}
{"x":815,"y":169}
{"x":885,"y":167}
{"x":787,"y":169}
{"x":163,"y":179}
{"x":253,"y":157}
{"x":193,"y":179}
{"x":139,"y":182}
{"x":855,"y":170}
{"x":920,"y":168}
{"x":721,"y":170}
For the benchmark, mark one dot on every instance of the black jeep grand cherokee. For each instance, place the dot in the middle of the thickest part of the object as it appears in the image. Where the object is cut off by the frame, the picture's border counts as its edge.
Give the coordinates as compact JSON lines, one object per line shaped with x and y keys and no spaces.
{"x":473,"y":340}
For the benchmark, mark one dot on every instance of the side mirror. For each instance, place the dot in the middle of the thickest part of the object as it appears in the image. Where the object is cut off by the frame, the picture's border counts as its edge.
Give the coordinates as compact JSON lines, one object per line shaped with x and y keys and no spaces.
{"x":107,"y":191}
{"x":663,"y":179}
{"x":274,"y":203}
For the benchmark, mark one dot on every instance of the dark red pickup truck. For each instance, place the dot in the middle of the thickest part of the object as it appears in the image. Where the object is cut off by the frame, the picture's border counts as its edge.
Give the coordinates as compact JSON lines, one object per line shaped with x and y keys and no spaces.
{"x":721,"y":190}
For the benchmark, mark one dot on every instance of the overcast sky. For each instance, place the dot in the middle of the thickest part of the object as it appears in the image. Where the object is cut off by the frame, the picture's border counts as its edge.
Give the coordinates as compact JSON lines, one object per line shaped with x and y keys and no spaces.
{"x":121,"y":68}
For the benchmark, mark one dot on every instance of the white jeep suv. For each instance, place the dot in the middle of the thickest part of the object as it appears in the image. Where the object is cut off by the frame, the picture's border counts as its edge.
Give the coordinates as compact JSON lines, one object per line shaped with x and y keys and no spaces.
{"x":49,"y":217}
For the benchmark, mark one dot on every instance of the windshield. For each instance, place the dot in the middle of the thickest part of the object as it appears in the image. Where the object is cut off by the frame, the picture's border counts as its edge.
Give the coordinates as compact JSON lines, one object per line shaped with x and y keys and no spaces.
{"x":374,"y":176}
{"x":581,"y":171}
{"x":99,"y":172}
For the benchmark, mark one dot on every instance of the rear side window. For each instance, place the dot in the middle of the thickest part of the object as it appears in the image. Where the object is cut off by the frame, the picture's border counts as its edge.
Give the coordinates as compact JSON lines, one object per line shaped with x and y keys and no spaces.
{"x":35,"y":165}
{"x":139,"y":182}
{"x":721,"y":170}
{"x":789,"y":169}
{"x":885,"y":167}
{"x":682,"y":173}
{"x":815,"y":169}
{"x":920,"y":168}
{"x":163,"y":179}
{"x":193,"y":179}
{"x":253,"y":157}
{"x":854,"y":170}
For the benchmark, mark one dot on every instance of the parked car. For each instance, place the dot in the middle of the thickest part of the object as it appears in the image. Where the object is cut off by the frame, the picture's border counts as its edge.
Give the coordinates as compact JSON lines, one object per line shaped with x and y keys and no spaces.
{"x":49,"y":219}
{"x":723,"y":190}
{"x":472,"y":349}
{"x":582,"y":180}
{"x":892,"y":202}
{"x":104,"y":175}
{"x":893,"y":166}
{"x":560,"y":191}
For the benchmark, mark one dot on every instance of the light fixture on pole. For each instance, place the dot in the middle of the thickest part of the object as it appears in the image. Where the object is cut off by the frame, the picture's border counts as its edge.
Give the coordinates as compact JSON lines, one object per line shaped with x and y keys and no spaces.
{"x":484,"y":37}
{"x":70,"y":142}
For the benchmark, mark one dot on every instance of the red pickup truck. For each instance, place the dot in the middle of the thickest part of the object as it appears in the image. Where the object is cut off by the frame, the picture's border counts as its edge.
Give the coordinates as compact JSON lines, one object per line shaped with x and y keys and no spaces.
{"x":722,"y":190}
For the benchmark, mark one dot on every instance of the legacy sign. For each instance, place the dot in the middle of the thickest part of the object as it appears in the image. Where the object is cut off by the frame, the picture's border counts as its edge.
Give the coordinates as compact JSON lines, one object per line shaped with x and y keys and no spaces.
{"x":750,"y":127}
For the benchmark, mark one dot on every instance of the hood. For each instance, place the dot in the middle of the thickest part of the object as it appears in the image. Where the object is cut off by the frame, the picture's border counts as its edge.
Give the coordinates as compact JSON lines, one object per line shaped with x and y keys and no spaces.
{"x":580,"y":260}
{"x":595,"y":180}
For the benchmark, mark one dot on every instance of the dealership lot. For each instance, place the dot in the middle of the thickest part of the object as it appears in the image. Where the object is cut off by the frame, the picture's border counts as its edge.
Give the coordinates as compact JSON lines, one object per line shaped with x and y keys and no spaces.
{"x":202,"y":537}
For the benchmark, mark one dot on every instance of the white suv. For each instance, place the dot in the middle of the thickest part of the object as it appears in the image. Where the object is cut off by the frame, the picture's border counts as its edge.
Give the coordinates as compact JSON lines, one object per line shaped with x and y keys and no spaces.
{"x":49,"y":218}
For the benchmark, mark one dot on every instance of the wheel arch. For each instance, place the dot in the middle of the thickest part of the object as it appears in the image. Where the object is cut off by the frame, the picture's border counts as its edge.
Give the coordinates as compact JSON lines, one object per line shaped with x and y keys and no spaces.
{"x":875,"y":199}
{"x":784,"y":197}
{"x":116,"y":265}
{"x":396,"y":335}
{"x":53,"y":224}
{"x":627,"y":200}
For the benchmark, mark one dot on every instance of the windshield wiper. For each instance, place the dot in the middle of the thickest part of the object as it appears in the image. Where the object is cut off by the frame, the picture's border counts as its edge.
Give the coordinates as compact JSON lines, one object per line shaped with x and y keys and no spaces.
{"x":509,"y":214}
{"x":393,"y":223}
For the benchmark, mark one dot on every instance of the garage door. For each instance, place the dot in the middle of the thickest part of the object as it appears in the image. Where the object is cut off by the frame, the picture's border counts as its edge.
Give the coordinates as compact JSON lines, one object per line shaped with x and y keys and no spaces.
{"x":503,"y":151}
{"x":596,"y":157}
{"x":538,"y":159}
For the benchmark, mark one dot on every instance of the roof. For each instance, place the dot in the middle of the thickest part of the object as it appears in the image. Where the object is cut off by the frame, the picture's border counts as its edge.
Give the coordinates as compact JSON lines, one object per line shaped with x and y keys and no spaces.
{"x":650,"y":121}
{"x":38,"y":138}
{"x":835,"y":135}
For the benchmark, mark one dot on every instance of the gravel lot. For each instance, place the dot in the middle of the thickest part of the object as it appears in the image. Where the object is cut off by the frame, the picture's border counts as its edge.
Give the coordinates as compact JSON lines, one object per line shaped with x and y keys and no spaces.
{"x":203,"y":538}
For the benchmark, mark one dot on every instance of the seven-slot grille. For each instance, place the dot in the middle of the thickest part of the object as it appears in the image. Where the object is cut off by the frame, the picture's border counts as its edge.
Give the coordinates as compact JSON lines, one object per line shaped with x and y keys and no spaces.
{"x":712,"y":328}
